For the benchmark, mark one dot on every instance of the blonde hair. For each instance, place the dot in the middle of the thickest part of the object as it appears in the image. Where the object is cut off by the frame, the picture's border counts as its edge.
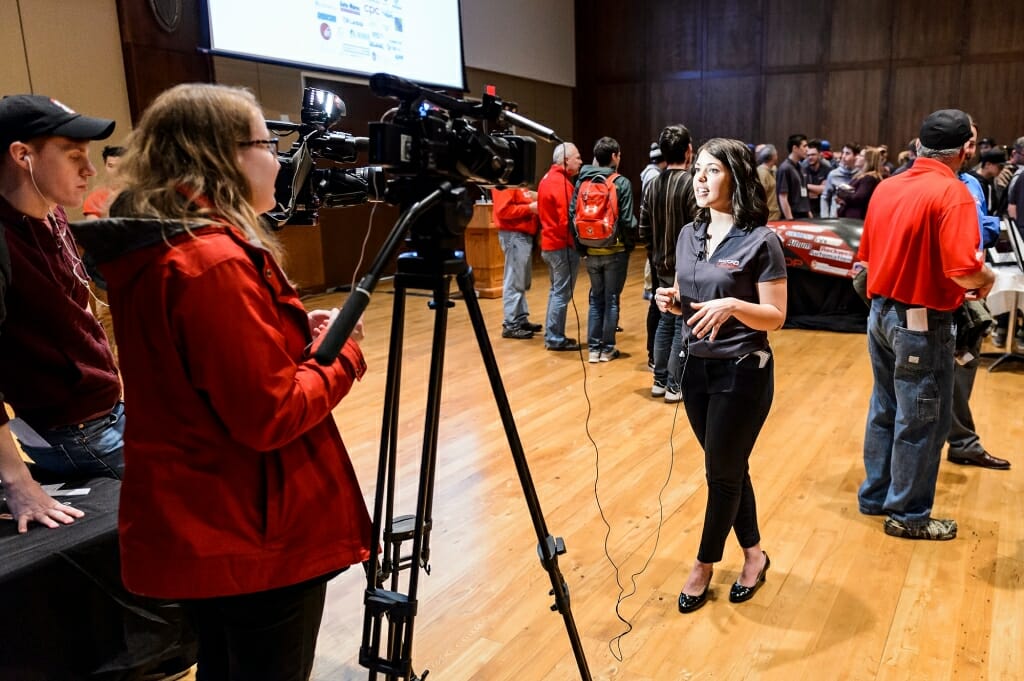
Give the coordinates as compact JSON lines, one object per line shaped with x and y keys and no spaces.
{"x":872,"y":162}
{"x":182,"y":160}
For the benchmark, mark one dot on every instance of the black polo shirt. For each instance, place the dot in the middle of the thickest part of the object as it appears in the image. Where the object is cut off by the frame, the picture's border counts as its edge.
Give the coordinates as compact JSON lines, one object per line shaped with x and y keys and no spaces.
{"x":741,"y":261}
{"x":791,"y":180}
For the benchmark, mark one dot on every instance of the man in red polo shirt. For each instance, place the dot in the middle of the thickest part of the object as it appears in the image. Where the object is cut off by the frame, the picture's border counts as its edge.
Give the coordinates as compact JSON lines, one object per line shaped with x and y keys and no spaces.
{"x":56,"y":367}
{"x":920,"y":244}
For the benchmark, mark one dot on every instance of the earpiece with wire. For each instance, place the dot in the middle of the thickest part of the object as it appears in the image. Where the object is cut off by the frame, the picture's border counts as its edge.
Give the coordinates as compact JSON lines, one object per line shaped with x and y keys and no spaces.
{"x":78,"y":270}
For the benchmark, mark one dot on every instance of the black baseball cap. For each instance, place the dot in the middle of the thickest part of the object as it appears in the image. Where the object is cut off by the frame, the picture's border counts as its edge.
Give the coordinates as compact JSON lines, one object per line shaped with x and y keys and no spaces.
{"x":945,"y":129}
{"x":24,"y":117}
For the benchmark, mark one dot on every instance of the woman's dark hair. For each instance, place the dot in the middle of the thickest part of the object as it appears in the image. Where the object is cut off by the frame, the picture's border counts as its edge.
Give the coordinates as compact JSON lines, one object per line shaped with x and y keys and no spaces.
{"x":749,"y":202}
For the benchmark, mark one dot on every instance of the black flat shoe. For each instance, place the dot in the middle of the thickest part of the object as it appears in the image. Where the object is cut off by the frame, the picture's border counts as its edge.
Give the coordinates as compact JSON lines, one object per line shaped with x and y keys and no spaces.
{"x":739,"y":593}
{"x":688,"y":603}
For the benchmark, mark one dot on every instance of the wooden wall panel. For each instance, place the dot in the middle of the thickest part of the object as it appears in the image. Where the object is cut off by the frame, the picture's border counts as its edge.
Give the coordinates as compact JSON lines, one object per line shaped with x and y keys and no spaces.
{"x":733,"y":36}
{"x":676,"y":101}
{"x":796,"y":32}
{"x":868,"y":70}
{"x":855,"y":40}
{"x":731,"y":108}
{"x":790,"y":107}
{"x":674,"y":33}
{"x":610,"y":41}
{"x":854,"y":106}
{"x":916,"y":92}
{"x":996,"y":26}
{"x":915,"y":37}
{"x":994,"y":96}
{"x":154,"y":59}
{"x":623,"y":109}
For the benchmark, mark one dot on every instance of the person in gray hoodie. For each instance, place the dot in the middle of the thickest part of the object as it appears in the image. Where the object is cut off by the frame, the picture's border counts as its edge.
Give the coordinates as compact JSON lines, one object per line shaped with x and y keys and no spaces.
{"x":842,"y":174}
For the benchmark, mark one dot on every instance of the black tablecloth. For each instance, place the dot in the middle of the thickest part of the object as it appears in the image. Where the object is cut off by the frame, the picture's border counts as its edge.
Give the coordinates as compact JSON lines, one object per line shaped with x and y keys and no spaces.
{"x":820,"y":257}
{"x":64,"y":613}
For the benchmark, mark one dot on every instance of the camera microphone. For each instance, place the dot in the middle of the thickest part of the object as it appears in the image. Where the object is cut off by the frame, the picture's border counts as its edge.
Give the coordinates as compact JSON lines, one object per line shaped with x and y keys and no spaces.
{"x":524,"y":122}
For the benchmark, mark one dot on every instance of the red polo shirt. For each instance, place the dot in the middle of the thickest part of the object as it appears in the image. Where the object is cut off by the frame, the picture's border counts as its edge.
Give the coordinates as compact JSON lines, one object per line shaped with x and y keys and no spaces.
{"x":921,"y":229}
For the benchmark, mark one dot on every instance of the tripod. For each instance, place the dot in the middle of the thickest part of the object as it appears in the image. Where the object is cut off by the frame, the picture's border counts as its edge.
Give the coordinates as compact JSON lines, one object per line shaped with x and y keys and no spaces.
{"x":389,"y":615}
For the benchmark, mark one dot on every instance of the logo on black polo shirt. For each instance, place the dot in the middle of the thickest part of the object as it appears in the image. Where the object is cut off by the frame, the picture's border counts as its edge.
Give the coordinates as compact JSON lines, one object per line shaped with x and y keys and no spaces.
{"x":727,"y":264}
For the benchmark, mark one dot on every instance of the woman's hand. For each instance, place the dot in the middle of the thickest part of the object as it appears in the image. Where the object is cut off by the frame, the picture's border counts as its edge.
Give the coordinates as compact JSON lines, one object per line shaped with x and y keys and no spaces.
{"x":319,"y":320}
{"x":667,"y":300}
{"x":710,"y":315}
{"x":358,"y":332}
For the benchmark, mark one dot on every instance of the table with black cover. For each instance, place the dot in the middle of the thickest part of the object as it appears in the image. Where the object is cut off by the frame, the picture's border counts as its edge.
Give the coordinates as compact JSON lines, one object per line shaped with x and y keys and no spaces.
{"x":820,"y":258}
{"x":64,"y":613}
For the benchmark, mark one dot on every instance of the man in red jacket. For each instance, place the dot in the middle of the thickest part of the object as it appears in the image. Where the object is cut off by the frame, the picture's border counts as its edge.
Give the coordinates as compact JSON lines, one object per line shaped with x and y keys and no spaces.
{"x":515,"y":213}
{"x":557,"y":246}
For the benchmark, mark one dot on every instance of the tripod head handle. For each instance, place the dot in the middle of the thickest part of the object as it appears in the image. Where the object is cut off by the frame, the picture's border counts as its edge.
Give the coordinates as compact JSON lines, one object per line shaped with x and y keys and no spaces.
{"x":340,"y":329}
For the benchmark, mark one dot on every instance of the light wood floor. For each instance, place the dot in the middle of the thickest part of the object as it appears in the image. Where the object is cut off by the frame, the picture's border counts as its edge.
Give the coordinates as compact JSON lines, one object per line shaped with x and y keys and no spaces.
{"x":842,"y":599}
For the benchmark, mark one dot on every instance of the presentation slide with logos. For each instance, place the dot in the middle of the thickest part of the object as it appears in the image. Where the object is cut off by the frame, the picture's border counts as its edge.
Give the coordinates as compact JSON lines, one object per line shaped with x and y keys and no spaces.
{"x":416,"y":39}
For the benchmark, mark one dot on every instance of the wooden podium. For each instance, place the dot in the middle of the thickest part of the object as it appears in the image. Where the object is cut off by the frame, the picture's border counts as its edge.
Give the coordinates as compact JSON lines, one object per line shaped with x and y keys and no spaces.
{"x":483,"y":252}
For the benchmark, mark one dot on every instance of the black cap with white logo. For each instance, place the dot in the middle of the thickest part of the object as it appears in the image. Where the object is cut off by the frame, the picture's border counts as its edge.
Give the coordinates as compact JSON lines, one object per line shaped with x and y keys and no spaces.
{"x":24,"y":117}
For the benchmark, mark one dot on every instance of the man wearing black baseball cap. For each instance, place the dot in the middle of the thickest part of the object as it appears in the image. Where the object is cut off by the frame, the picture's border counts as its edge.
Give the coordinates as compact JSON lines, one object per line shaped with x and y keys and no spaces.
{"x":920,"y":244}
{"x":56,"y":367}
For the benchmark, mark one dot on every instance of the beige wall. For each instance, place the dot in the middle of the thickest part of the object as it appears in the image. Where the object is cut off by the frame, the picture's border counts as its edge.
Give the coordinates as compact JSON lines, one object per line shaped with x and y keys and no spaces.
{"x":69,"y":50}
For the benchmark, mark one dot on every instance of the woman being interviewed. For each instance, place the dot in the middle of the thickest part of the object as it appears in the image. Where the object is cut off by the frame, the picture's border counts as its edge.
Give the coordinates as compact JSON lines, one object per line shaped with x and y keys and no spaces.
{"x":731,"y":285}
{"x":239,"y":498}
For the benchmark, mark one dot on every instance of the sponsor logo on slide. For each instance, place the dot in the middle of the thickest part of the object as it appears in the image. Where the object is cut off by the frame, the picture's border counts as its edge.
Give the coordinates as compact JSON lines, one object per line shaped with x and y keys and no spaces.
{"x":355,"y":50}
{"x":325,"y":31}
{"x":349,"y":7}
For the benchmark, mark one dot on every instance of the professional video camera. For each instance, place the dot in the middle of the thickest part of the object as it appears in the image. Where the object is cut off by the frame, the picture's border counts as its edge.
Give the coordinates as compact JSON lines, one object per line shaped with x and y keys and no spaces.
{"x":429,"y":133}
{"x":428,"y":141}
{"x":303,"y":187}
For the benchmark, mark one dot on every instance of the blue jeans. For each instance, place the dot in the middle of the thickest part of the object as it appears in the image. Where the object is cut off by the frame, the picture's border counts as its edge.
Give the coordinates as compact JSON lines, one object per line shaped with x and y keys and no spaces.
{"x":607,"y":277}
{"x":91,"y":449}
{"x":910,"y":412}
{"x":562,"y":266}
{"x":668,"y":343}
{"x":518,"y":250}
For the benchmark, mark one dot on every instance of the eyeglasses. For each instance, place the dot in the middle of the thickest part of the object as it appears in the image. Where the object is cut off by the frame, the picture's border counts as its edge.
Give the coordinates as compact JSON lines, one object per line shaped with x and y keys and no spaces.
{"x":269,"y":144}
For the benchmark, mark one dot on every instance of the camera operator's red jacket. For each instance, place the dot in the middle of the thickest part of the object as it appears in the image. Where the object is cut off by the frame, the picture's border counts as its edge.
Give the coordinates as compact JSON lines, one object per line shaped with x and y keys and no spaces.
{"x":236,"y":478}
{"x":512,"y":210}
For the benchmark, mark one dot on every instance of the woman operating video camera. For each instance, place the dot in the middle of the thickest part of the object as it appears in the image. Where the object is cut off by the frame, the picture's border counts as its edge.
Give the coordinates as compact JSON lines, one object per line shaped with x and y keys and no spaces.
{"x":239,"y":498}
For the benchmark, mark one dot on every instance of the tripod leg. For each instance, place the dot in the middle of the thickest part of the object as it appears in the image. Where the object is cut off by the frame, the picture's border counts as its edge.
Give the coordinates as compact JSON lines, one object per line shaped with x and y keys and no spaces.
{"x":383,"y":509}
{"x":548,"y":547}
{"x":400,"y":609}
